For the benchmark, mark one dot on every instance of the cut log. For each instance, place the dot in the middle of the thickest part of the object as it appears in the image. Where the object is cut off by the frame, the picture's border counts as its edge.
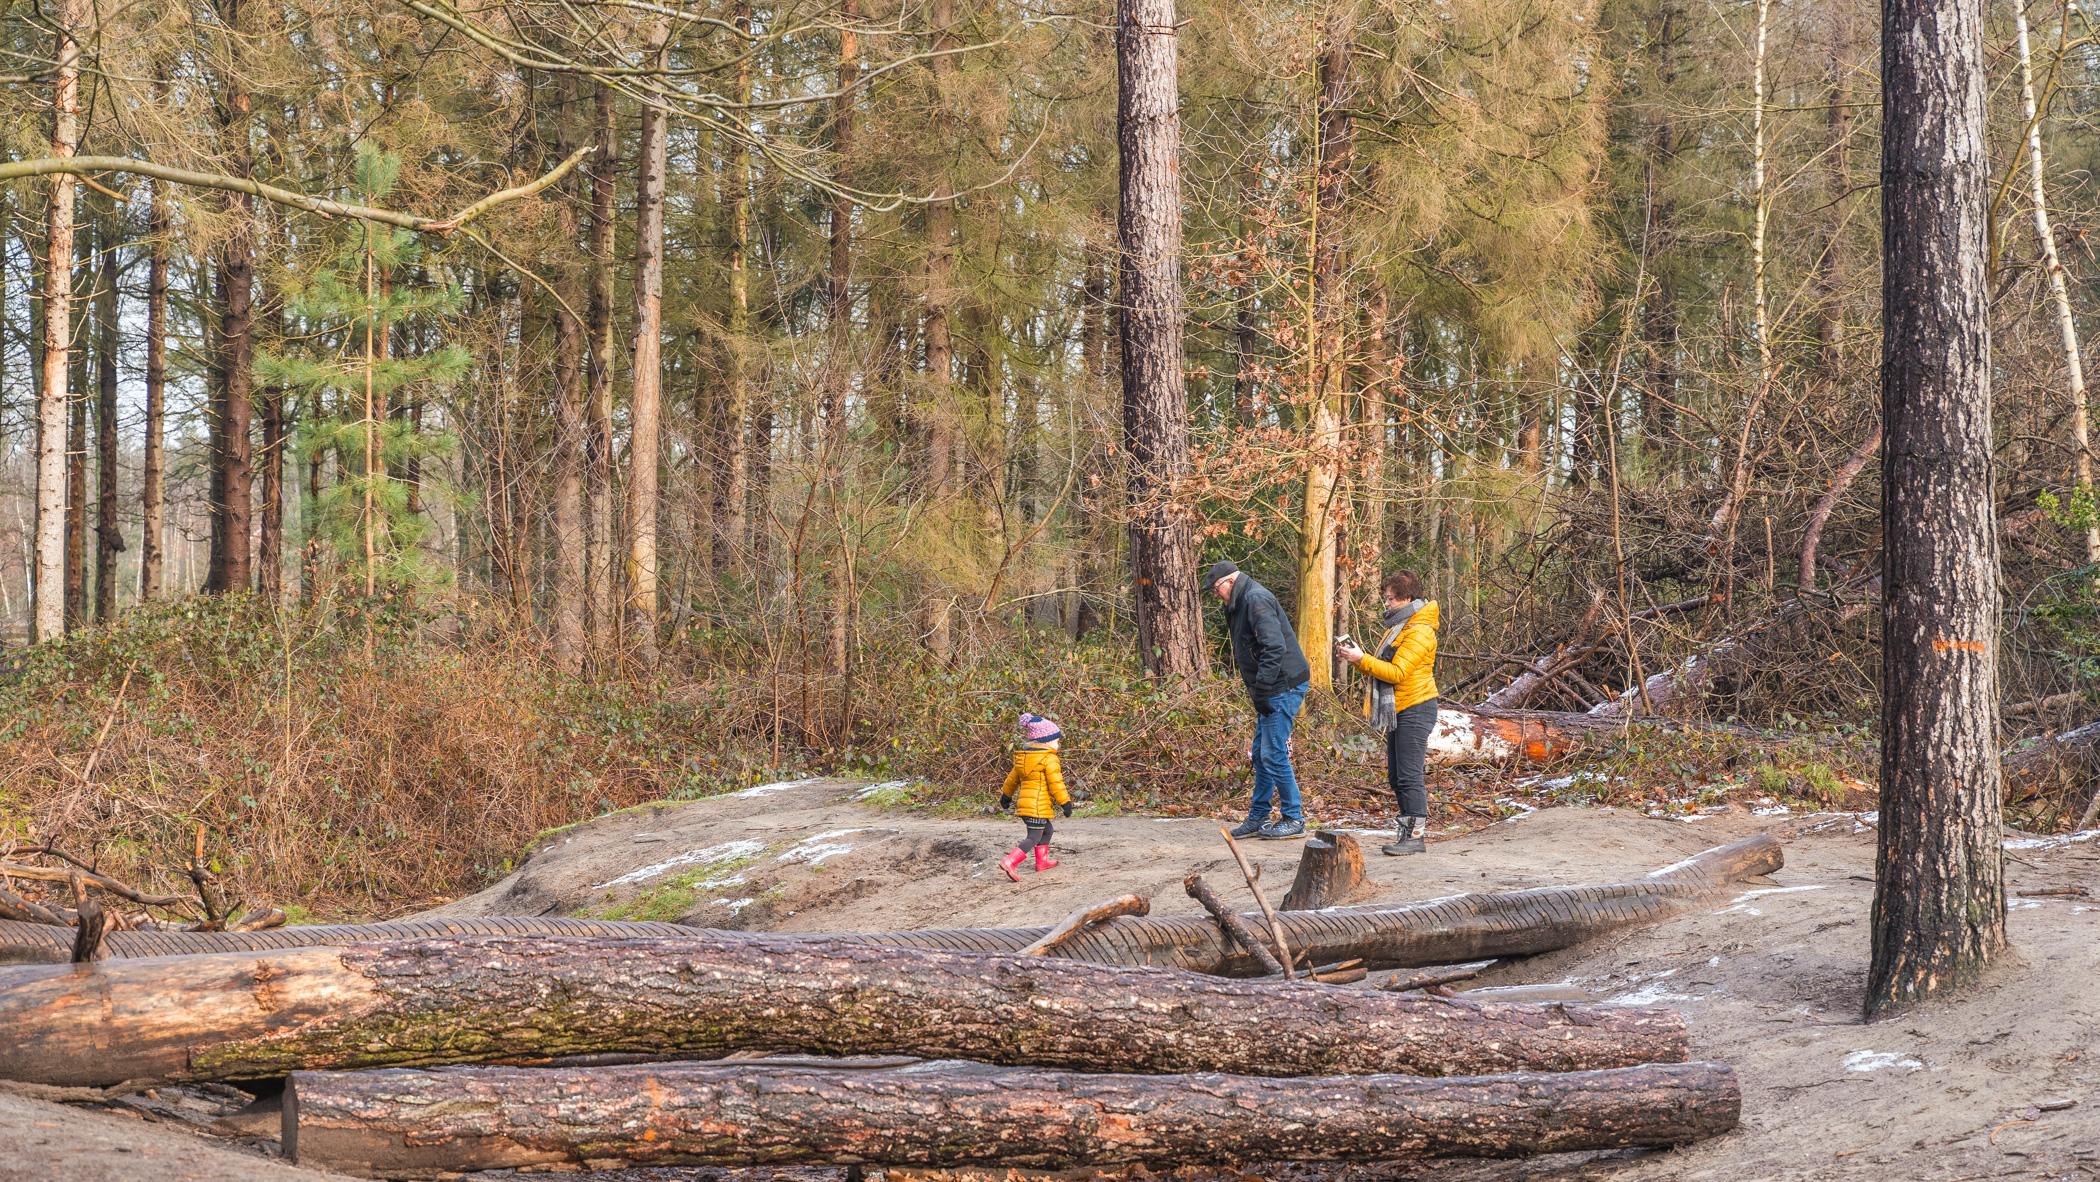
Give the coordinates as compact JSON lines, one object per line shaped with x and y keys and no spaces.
{"x":1087,"y":917}
{"x":260,"y":1015}
{"x":1330,"y":871}
{"x":1439,"y":931}
{"x":423,"y":1124}
{"x":2067,"y":762}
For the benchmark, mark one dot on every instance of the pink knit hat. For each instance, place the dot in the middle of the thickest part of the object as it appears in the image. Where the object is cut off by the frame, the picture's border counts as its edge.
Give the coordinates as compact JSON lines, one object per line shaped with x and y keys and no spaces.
{"x":1037,"y":729}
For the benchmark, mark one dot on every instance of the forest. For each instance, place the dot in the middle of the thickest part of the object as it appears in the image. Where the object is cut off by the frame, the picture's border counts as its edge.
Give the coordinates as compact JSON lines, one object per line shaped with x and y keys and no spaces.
{"x":441,"y":439}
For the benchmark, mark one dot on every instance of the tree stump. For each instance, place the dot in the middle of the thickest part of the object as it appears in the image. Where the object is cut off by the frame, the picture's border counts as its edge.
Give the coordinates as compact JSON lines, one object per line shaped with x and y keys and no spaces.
{"x":1330,"y":871}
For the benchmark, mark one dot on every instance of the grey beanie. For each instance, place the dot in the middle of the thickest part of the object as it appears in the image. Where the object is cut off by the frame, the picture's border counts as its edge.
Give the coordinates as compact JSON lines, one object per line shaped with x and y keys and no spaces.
{"x":1219,"y":570}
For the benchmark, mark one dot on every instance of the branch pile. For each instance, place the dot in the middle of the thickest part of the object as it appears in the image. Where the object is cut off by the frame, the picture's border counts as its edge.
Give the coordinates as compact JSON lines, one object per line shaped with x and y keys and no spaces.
{"x":414,"y":1057}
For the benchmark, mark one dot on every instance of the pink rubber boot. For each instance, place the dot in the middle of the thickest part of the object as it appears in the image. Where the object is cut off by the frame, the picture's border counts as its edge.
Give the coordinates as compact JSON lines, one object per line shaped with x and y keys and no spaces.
{"x":1043,"y":860}
{"x":1014,"y":857}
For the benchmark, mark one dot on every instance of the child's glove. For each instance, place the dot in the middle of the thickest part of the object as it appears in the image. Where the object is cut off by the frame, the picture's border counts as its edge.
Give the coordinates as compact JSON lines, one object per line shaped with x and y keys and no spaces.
{"x":1066,"y":809}
{"x":1006,"y":804}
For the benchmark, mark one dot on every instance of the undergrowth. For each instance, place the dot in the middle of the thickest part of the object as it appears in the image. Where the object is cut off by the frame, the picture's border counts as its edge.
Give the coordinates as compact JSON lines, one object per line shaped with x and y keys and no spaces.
{"x":353,"y":763}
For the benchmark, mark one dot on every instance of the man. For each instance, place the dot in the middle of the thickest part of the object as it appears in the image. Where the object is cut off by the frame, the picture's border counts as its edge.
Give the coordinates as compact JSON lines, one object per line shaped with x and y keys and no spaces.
{"x":1277,"y":677}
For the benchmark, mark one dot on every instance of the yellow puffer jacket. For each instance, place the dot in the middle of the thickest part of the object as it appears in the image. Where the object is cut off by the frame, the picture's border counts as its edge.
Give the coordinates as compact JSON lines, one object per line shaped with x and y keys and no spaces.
{"x":1037,"y":782}
{"x":1412,"y":671}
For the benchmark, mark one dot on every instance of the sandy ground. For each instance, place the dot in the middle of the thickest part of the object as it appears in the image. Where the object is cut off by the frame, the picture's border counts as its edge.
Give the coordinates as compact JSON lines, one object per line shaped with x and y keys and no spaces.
{"x":2001,"y":1082}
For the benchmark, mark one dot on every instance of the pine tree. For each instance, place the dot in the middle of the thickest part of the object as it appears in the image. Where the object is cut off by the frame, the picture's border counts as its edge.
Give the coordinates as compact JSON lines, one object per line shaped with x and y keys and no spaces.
{"x":366,"y":516}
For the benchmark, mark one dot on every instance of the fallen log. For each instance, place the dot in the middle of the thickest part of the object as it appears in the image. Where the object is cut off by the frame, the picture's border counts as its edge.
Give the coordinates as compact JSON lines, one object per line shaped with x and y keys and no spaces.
{"x":2067,"y":762}
{"x":422,"y":1124}
{"x":1329,"y":871}
{"x":1435,"y":932}
{"x":261,"y":1015}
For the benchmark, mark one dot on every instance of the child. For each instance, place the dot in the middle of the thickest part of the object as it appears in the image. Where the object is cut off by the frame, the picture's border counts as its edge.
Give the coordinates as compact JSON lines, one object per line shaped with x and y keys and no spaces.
{"x":1036,"y":783}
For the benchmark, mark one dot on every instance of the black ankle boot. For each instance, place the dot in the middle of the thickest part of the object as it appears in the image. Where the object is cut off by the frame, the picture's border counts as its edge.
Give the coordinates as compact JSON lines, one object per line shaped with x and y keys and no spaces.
{"x":1409,"y":838}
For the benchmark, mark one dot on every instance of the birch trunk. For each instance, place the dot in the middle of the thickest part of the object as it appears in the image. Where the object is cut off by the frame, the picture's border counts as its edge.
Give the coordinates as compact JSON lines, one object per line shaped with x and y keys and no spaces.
{"x":569,"y":363}
{"x":2059,"y":289}
{"x":732,"y":490}
{"x":1939,"y":900}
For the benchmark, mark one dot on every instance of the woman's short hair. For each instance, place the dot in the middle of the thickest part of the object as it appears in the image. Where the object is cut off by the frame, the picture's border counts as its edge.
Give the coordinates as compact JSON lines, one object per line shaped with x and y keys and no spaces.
{"x":1402,"y":585}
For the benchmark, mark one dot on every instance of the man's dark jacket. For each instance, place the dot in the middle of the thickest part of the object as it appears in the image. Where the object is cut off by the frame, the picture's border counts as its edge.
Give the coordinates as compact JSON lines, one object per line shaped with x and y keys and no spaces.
{"x":1264,"y":644}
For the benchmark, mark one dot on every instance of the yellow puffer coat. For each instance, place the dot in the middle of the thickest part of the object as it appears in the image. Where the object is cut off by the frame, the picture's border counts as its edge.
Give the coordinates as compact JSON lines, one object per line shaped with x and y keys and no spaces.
{"x":1412,"y":671}
{"x":1037,"y":782}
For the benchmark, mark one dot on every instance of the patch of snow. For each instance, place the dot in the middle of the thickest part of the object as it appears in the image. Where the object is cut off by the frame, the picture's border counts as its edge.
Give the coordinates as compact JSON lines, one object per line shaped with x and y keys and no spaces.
{"x":735,"y":905}
{"x":1740,"y":905}
{"x":1651,"y":992}
{"x":1777,"y":810}
{"x":1674,"y":867}
{"x":2052,"y":843}
{"x":724,"y":852}
{"x":819,"y":847}
{"x":1523,"y":810}
{"x":1880,"y":1061}
{"x":2021,"y":905}
{"x":782,"y":786}
{"x":1713,"y":962}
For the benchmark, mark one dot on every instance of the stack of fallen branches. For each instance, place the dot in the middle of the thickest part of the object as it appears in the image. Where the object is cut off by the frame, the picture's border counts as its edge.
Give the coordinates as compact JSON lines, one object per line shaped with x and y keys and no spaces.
{"x":426,"y":1057}
{"x":43,"y":884}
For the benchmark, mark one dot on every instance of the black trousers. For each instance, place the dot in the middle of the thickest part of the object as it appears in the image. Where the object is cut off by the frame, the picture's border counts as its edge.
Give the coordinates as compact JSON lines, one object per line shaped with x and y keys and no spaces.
{"x":1406,"y":752}
{"x":1038,"y":832}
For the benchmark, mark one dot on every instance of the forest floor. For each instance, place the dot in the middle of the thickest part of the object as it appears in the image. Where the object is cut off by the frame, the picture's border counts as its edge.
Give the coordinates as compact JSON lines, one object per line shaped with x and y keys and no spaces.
{"x":1771,"y":980}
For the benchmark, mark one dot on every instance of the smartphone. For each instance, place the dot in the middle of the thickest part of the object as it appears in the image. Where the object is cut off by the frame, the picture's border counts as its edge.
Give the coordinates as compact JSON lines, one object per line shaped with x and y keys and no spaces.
{"x":1345,"y":640}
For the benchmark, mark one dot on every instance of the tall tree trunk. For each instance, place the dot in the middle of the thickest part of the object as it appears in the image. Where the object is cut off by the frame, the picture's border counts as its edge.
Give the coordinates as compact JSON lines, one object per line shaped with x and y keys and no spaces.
{"x":2059,"y":290}
{"x":600,"y":626}
{"x":1939,"y":899}
{"x":233,"y":353}
{"x":1163,"y":550}
{"x":155,"y":498}
{"x":1837,"y":187}
{"x":50,"y":623}
{"x":109,"y":536}
{"x":569,"y":363}
{"x":1327,"y":361}
{"x":937,"y":406}
{"x":77,"y":456}
{"x":733,"y":487}
{"x":269,"y":552}
{"x":645,"y":429}
{"x":839,"y":308}
{"x":1659,"y":330}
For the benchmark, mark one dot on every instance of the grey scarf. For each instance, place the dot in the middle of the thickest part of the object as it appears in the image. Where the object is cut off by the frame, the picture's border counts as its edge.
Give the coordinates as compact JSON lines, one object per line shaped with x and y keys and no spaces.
{"x":1383,"y":715}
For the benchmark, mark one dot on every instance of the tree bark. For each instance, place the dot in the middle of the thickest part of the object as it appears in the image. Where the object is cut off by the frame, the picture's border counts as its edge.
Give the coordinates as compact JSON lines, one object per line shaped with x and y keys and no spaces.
{"x":1163,"y":550}
{"x":154,"y":498}
{"x":569,"y":363}
{"x":259,"y":1015}
{"x":838,"y":310}
{"x":601,"y":627}
{"x":109,"y":536}
{"x":732,"y":510}
{"x":1939,"y":900}
{"x":233,"y":353}
{"x":421,"y":1124}
{"x":77,"y":463}
{"x":50,"y":621}
{"x":644,"y":424}
{"x":1329,"y":871}
{"x":1327,"y":357}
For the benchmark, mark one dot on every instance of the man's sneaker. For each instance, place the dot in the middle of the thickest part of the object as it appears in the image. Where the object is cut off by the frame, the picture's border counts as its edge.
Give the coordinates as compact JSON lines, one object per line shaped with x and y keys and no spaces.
{"x":1249,"y":828}
{"x":1282,"y":830}
{"x":1408,"y":840}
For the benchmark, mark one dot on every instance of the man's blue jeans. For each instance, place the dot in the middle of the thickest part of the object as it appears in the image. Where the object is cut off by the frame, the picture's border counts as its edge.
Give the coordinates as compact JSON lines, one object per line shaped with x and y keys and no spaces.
{"x":1273,"y":776}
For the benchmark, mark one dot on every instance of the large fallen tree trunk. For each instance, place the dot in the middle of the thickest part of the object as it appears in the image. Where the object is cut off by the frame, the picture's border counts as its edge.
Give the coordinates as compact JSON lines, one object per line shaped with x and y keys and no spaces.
{"x":1439,"y":931}
{"x":2066,"y":762}
{"x":421,"y":1124}
{"x":255,"y":1015}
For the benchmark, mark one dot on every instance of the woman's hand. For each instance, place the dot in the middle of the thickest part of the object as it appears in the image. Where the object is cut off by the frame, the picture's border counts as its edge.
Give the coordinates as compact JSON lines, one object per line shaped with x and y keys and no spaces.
{"x":1349,"y":653}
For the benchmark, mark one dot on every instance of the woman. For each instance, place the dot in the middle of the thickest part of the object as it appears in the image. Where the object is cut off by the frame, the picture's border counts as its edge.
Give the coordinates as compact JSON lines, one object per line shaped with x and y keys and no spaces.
{"x":1403,"y":700}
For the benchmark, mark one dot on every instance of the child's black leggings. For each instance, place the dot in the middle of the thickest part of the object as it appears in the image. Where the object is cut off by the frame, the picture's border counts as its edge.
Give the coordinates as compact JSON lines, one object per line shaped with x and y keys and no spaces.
{"x":1038,"y":832}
